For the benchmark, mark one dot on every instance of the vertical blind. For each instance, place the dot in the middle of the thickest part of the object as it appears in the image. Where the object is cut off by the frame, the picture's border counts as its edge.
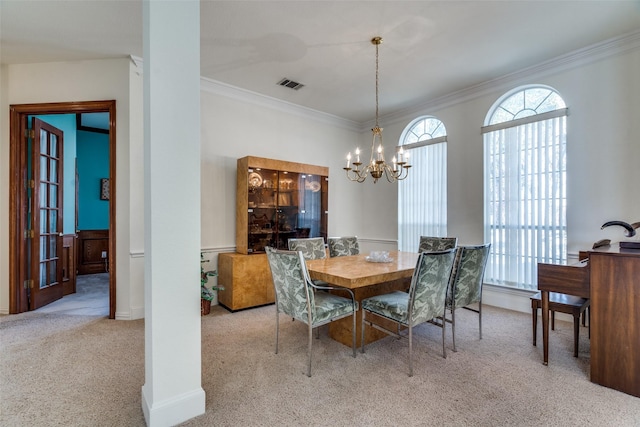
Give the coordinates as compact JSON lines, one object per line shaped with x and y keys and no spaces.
{"x":422,"y":197}
{"x":525,"y":200}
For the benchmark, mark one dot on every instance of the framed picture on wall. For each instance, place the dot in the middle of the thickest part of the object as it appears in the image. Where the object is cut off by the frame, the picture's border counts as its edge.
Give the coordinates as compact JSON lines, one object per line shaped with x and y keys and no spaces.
{"x":104,"y":189}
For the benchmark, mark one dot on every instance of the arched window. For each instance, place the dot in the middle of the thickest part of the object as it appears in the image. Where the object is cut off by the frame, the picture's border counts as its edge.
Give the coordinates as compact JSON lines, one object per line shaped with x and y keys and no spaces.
{"x":422,"y":197}
{"x":525,"y":193}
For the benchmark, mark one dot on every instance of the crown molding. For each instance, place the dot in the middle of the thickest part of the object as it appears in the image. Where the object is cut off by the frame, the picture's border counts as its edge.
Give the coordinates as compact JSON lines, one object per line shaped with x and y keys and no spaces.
{"x":226,"y":90}
{"x":137,"y":63}
{"x":234,"y":92}
{"x":580,"y":57}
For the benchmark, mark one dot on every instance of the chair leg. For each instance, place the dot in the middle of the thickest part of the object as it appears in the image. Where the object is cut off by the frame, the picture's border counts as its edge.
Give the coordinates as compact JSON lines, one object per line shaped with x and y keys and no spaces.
{"x":453,"y":326}
{"x":534,"y":316}
{"x":354,"y":334}
{"x":589,"y":320}
{"x":362,"y":336}
{"x":553,"y":320}
{"x":576,"y":334}
{"x":309,"y":350}
{"x":277,"y":329}
{"x":444,"y":325}
{"x":480,"y":317}
{"x":410,"y":349}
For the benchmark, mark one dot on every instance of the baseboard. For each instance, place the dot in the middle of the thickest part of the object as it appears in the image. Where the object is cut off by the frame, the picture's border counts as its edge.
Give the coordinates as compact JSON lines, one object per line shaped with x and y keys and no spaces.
{"x":175,"y":410}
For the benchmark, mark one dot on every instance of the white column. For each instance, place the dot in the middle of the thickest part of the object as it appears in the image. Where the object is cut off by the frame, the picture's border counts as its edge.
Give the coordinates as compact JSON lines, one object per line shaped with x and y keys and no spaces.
{"x":172,"y":392}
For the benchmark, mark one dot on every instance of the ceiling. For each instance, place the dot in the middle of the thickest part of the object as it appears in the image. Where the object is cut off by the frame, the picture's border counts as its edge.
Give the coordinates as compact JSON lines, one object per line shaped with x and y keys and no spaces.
{"x":430,"y":48}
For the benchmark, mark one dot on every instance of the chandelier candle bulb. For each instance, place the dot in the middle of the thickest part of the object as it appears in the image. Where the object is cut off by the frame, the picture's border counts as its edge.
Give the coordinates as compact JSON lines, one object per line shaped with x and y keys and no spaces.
{"x":358,"y":155}
{"x":348,"y":159}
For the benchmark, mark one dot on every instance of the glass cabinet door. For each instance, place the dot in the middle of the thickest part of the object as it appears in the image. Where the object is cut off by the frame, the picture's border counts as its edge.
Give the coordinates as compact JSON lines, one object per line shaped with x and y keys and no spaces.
{"x":262,"y":199}
{"x":280,"y":205}
{"x":310,"y":216}
{"x":287,"y":209}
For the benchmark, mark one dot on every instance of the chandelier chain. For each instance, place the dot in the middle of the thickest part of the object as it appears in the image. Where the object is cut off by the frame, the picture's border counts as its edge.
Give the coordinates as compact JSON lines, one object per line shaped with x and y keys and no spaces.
{"x":377,"y":43}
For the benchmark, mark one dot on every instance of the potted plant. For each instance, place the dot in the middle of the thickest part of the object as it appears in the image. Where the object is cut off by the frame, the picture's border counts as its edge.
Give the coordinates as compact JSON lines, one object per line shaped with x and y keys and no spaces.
{"x":207,"y":294}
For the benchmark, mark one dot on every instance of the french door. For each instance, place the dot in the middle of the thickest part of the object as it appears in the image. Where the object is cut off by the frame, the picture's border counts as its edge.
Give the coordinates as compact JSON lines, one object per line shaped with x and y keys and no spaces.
{"x":44,"y":214}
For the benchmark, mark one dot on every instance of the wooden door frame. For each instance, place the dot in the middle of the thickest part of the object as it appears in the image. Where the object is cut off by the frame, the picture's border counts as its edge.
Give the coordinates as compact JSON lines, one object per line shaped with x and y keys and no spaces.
{"x":17,"y":197}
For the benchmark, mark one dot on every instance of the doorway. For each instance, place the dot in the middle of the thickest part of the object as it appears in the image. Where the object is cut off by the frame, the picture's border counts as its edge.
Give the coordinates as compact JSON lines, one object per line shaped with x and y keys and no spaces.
{"x":20,"y":277}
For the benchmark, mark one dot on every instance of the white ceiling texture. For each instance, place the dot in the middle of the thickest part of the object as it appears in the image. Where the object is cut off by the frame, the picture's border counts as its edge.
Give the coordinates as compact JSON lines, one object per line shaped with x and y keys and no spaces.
{"x":430,"y":48}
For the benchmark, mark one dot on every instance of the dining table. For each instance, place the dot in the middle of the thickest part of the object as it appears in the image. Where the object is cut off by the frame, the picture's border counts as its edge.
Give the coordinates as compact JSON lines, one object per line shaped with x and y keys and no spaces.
{"x":366,"y":278}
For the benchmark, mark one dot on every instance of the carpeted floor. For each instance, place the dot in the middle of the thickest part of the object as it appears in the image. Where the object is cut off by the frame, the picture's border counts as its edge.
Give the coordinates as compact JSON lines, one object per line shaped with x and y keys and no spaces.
{"x":85,"y":370}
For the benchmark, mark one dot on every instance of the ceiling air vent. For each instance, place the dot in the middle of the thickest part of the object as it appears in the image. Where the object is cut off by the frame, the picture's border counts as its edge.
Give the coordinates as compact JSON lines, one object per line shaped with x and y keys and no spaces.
{"x":290,"y":84}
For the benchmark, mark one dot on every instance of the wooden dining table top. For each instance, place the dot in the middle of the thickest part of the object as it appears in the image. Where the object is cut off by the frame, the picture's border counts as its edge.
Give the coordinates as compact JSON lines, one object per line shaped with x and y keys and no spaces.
{"x":355,"y":271}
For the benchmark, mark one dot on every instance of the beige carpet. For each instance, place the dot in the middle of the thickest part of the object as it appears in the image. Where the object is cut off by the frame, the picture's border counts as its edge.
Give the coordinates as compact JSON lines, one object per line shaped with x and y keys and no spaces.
{"x":59,"y":369}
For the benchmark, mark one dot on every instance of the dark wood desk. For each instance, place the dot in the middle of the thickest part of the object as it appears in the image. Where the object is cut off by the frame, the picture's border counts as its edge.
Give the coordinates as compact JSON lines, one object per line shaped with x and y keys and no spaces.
{"x":611,"y":278}
{"x":365,"y":279}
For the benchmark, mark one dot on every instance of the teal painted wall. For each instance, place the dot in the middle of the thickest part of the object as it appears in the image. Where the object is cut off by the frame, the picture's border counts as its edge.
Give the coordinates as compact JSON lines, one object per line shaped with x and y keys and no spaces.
{"x":92,"y":151}
{"x":67,"y":124}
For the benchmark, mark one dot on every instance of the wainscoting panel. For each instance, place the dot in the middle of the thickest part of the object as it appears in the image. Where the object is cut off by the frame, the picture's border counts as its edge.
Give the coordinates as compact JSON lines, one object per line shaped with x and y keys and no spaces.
{"x":93,"y":251}
{"x":68,"y":264}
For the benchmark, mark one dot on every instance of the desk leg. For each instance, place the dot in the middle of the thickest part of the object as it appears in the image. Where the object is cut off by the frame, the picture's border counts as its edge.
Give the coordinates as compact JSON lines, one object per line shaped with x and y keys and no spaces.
{"x":545,"y":326}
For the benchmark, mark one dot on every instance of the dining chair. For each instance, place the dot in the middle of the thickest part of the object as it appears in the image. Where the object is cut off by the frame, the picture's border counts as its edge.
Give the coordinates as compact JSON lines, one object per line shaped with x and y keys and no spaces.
{"x":343,"y":246}
{"x":424,"y":301}
{"x":429,"y":243}
{"x":295,"y":297}
{"x":465,"y":287}
{"x":311,"y":247}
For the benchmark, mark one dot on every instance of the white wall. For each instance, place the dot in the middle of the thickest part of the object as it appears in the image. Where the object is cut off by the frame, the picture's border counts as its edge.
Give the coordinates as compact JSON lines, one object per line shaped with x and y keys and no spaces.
{"x":68,"y":82}
{"x":4,"y":190}
{"x":603,"y":147}
{"x":237,"y":126}
{"x":602,"y":93}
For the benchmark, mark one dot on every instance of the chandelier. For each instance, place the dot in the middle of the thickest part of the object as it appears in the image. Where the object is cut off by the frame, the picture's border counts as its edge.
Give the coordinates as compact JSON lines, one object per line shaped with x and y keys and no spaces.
{"x":377,"y":167}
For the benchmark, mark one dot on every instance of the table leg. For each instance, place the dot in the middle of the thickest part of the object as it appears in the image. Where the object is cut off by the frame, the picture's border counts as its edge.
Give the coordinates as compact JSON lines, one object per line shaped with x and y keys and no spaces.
{"x":545,"y":326}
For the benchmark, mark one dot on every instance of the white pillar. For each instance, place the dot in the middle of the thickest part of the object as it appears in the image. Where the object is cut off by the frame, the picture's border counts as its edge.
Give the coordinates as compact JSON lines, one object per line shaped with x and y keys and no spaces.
{"x":172,"y":392}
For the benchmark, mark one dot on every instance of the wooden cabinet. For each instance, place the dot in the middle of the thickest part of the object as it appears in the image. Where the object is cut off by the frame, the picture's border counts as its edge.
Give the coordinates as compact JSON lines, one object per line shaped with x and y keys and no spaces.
{"x":93,"y":250}
{"x":276,"y":200}
{"x":246,"y":280}
{"x":279,"y":200}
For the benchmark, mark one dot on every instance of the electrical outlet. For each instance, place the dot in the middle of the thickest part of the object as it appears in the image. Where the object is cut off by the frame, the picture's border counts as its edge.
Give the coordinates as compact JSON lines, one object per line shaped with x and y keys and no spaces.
{"x":104,"y":254}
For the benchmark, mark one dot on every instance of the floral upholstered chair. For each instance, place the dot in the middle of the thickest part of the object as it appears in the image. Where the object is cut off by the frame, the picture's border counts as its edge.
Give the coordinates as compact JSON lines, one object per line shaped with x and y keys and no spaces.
{"x":312,"y":247}
{"x":428,"y":243}
{"x":425,"y":300}
{"x":466,"y":283}
{"x":343,"y":246}
{"x":295,"y":296}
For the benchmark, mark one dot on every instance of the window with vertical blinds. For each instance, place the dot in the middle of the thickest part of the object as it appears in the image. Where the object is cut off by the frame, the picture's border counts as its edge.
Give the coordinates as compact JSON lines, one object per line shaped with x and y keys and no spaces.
{"x":525,"y":185}
{"x":422,"y":197}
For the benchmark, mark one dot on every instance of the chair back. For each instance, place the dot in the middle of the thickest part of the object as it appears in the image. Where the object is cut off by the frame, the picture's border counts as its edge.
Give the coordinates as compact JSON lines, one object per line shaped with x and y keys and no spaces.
{"x":311,"y":248}
{"x":428,"y":290}
{"x":343,"y":246}
{"x":430,"y":244}
{"x":466,"y":280}
{"x":291,"y":283}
